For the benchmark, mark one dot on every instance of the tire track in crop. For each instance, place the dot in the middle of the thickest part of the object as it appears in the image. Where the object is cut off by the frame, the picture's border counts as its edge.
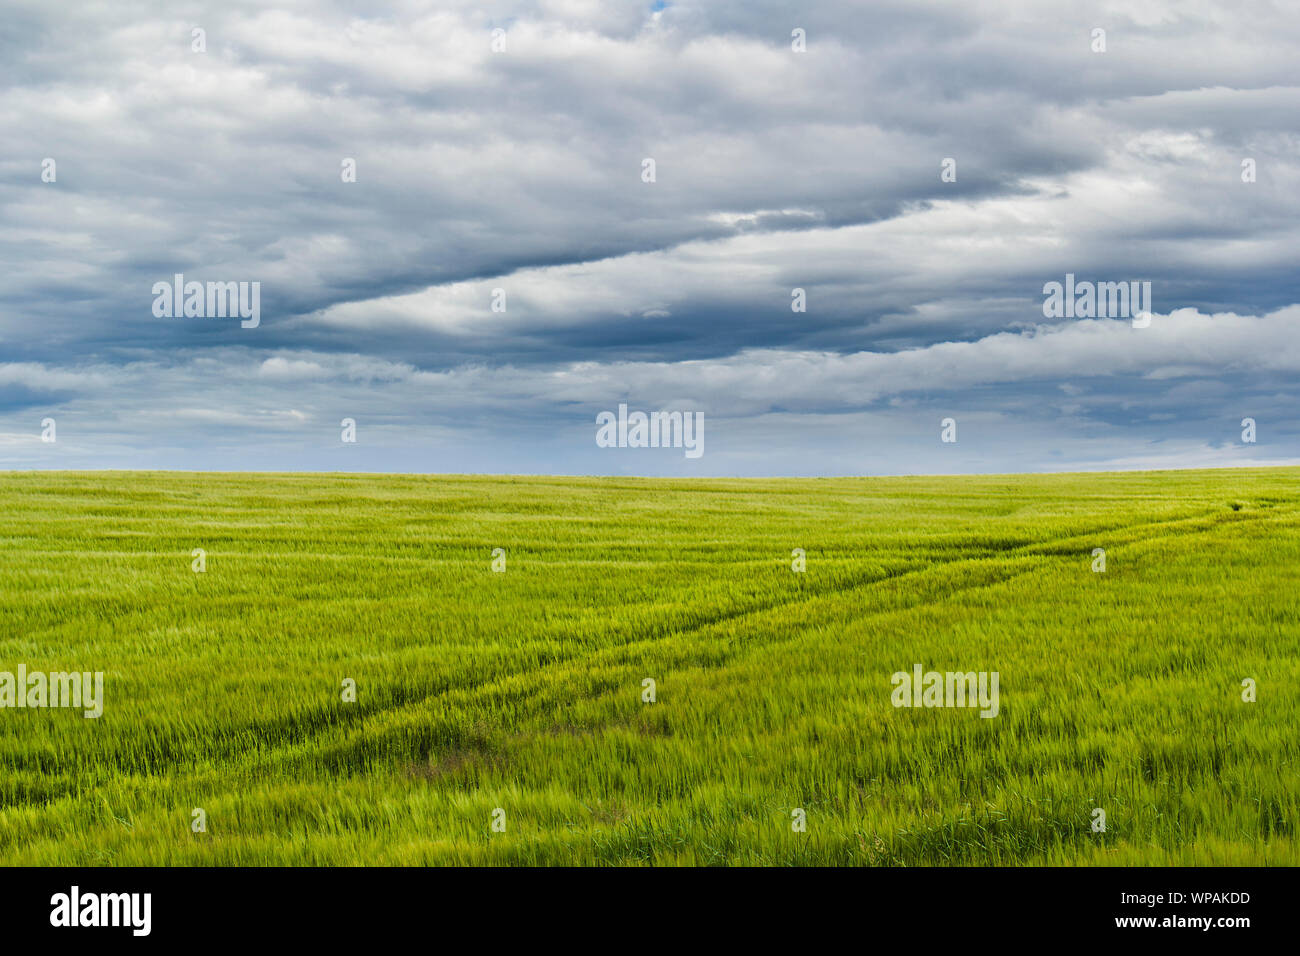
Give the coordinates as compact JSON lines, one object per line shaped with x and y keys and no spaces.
{"x":298,"y":731}
{"x":1046,"y":549}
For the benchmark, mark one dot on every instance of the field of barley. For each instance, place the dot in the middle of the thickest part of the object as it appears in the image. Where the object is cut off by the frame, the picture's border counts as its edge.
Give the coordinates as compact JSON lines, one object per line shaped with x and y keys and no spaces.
{"x":499,"y":714}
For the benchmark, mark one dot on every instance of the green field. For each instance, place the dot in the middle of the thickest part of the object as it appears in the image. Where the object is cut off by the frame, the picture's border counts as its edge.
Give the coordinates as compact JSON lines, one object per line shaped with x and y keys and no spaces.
{"x":522,"y":690}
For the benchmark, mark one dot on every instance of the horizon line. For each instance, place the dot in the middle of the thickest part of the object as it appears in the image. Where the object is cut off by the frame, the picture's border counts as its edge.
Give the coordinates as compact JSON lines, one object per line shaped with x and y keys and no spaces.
{"x":437,"y":474}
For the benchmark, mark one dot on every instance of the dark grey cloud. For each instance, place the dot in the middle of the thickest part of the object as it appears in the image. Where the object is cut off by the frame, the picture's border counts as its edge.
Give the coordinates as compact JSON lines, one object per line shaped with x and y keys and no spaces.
{"x":521,"y":170}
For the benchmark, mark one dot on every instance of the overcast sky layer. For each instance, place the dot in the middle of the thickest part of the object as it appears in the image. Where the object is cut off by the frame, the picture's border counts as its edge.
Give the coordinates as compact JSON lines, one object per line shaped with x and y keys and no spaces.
{"x":775,"y":169}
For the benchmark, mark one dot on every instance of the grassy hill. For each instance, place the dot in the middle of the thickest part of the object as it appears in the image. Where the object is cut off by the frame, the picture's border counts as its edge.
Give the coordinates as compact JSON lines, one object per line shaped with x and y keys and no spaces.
{"x":522,"y":690}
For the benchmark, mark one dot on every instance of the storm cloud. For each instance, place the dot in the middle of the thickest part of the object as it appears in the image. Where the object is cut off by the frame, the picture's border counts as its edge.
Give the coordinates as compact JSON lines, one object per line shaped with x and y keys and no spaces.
{"x":499,"y":152}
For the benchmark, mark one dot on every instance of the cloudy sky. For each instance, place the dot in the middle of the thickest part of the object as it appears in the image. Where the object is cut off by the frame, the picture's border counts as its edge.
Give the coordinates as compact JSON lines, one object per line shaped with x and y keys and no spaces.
{"x":521,"y":169}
